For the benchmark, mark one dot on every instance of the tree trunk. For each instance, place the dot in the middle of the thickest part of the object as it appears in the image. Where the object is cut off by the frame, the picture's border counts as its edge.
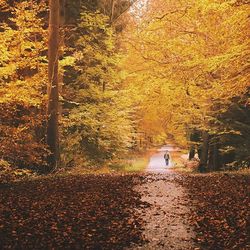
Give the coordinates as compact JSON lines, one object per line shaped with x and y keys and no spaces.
{"x":112,"y":10}
{"x":204,"y":151}
{"x":214,"y":156}
{"x":53,"y":96}
{"x":191,"y":152}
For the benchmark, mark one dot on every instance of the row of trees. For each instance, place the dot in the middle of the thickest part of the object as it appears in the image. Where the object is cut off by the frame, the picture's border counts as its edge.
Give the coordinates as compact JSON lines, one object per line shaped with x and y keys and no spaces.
{"x":189,"y":62}
{"x":60,"y":76}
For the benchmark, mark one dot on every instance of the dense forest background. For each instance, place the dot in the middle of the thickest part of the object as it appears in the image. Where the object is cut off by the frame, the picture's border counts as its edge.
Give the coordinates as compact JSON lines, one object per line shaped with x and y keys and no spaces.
{"x":131,"y":74}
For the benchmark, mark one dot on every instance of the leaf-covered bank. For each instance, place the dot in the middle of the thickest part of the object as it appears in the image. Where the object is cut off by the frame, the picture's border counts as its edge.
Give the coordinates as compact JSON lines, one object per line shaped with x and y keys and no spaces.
{"x":70,"y":212}
{"x":220,"y":209}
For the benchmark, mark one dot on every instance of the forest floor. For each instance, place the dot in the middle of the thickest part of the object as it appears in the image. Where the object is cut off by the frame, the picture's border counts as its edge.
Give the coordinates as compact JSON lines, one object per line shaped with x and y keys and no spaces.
{"x":153,"y":210}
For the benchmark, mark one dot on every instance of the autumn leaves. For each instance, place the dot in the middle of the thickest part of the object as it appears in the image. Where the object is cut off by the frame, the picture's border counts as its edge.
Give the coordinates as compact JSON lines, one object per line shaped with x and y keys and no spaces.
{"x":191,"y":68}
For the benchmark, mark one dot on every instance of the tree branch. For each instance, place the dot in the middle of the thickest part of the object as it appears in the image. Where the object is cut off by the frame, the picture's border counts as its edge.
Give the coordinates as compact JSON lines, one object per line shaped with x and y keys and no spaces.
{"x":172,"y":12}
{"x":123,"y":12}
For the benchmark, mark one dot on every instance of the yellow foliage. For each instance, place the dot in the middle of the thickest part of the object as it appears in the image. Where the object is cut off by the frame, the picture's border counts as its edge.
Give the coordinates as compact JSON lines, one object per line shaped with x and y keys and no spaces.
{"x":23,"y":73}
{"x":182,"y":56}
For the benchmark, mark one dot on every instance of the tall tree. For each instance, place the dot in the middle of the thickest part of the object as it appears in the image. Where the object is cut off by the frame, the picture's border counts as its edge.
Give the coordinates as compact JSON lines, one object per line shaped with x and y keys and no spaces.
{"x":97,"y":113}
{"x":53,"y":90}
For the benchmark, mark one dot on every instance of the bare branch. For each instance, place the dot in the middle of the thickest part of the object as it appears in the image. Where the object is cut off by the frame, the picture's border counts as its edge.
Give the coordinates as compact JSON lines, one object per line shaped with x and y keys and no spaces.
{"x":123,"y":12}
{"x":172,"y":12}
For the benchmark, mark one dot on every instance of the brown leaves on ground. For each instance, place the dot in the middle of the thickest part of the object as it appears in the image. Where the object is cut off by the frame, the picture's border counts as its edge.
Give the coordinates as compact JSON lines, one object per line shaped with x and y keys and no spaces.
{"x":221,"y":210}
{"x":101,"y":211}
{"x":72,"y":212}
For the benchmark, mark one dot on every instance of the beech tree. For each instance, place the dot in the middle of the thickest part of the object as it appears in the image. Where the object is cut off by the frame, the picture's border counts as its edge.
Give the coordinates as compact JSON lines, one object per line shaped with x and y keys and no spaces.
{"x":53,"y":89}
{"x":97,"y":120}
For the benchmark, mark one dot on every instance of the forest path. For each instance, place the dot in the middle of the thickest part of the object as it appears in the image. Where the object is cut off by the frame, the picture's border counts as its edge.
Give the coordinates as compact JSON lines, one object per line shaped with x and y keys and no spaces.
{"x":157,"y":162}
{"x":166,"y":223}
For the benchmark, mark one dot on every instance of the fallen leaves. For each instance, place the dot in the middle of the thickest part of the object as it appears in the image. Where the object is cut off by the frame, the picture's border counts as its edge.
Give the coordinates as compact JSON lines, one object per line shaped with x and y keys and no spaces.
{"x":220,"y":210}
{"x":101,"y":211}
{"x":72,"y":212}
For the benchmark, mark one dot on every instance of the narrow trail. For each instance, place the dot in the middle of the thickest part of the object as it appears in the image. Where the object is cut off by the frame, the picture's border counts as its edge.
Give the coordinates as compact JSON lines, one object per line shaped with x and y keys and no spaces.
{"x":166,"y":220}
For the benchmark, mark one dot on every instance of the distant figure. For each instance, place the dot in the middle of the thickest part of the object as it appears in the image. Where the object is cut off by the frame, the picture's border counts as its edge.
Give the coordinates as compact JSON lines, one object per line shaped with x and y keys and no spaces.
{"x":167,"y":157}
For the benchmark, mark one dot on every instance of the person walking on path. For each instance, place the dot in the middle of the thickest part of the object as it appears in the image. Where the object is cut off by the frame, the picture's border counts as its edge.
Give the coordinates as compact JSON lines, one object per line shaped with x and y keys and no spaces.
{"x":167,"y":157}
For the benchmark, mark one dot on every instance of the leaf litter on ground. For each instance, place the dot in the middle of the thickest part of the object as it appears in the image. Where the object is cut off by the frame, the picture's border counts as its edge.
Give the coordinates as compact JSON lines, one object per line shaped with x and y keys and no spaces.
{"x":71,"y":212}
{"x":102,"y":211}
{"x":220,"y":210}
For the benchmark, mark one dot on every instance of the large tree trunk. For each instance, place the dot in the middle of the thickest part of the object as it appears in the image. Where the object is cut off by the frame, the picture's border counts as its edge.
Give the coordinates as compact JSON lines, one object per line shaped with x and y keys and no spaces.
{"x":191,"y":152}
{"x":214,"y":158}
{"x":53,"y":95}
{"x":204,"y":151}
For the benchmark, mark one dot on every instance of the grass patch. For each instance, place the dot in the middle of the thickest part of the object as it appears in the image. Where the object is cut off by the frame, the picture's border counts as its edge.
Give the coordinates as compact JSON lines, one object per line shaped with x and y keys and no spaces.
{"x":135,"y":162}
{"x":182,"y":168}
{"x":130,"y":166}
{"x":136,"y":165}
{"x":90,"y":170}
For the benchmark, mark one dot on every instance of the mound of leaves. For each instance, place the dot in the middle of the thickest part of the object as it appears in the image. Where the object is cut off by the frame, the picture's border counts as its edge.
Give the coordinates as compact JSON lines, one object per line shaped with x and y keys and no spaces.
{"x":11,"y":174}
{"x":71,"y":212}
{"x":221,"y":210}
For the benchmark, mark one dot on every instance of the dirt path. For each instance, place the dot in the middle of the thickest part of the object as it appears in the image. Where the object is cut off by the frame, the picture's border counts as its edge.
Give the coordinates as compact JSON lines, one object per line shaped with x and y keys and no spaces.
{"x":157,"y":162}
{"x":166,"y":220}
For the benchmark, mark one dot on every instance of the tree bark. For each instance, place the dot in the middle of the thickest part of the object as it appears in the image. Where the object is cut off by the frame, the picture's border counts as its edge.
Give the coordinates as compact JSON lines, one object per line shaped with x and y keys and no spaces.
{"x":204,"y":151}
{"x":214,"y":159}
{"x":112,"y":11}
{"x":191,"y":152}
{"x":53,"y":95}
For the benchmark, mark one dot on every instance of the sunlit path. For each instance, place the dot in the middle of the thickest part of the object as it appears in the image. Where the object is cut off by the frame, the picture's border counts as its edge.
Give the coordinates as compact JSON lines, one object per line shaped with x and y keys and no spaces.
{"x":166,"y":224}
{"x":157,"y":163}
